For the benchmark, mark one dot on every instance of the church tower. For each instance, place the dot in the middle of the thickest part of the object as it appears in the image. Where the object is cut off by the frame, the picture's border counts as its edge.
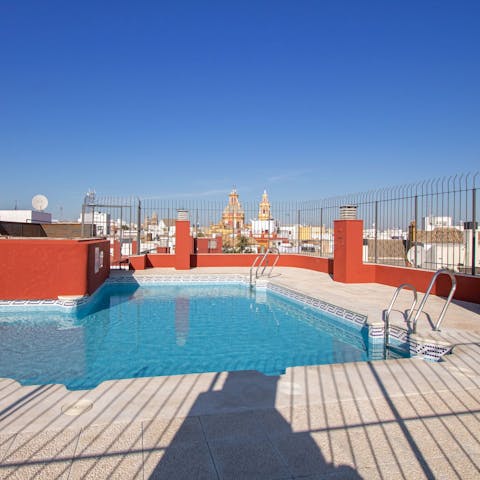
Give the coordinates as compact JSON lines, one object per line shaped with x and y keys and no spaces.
{"x":264,"y":208}
{"x":233,"y":215}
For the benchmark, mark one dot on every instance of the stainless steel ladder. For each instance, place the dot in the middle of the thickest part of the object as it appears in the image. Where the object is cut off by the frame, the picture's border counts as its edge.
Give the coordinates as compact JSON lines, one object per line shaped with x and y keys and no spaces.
{"x":262,"y":260}
{"x":447,"y":303}
{"x":394,"y":298}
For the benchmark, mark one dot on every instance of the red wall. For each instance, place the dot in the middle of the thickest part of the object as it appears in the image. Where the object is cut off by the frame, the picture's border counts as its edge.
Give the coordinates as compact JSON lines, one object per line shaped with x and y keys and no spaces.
{"x":223,"y":259}
{"x":246,"y":260}
{"x":164,"y":260}
{"x":201,"y":245}
{"x":95,"y":280}
{"x":115,"y":245}
{"x":37,"y":269}
{"x":347,"y":265}
{"x":140,"y":262}
{"x":318,"y":264}
{"x":468,"y":287}
{"x":183,"y":245}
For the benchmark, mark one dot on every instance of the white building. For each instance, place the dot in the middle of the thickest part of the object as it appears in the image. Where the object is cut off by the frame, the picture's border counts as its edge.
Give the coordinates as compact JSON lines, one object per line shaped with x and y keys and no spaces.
{"x":101,"y":221}
{"x":431,"y":223}
{"x":25,"y":216}
{"x":264,"y":226}
{"x":289,"y":231}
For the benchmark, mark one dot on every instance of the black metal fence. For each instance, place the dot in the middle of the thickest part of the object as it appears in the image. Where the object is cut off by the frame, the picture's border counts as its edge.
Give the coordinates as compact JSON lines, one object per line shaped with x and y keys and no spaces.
{"x":429,"y":224}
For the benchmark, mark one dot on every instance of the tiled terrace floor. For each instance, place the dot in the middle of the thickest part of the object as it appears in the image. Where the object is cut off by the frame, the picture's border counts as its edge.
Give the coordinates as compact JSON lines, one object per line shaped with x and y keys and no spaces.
{"x":405,"y":418}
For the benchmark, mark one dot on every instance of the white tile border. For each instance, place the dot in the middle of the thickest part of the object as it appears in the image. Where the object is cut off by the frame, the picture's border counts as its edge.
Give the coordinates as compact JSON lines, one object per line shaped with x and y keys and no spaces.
{"x":343,"y":313}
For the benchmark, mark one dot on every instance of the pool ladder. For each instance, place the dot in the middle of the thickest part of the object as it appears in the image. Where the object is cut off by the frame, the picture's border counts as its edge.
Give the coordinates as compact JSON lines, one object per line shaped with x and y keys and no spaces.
{"x":439,"y":272}
{"x":256,"y":270}
{"x":394,"y":298}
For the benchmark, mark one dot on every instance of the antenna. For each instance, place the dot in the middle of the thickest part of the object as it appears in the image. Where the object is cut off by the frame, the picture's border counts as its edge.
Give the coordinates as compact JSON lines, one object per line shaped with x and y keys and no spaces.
{"x":40,"y":202}
{"x":90,"y":197}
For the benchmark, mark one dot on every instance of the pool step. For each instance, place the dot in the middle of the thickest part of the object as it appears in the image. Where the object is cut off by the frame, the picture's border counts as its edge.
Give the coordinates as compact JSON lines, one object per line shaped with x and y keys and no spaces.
{"x":397,"y":352}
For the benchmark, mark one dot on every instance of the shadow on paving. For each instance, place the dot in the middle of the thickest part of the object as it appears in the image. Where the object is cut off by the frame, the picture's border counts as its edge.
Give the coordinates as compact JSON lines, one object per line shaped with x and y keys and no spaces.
{"x":253,"y":442}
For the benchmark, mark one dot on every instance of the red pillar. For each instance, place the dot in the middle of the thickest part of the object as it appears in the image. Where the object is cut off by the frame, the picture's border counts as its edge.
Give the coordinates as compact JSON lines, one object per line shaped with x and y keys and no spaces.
{"x":348,"y":249}
{"x":116,"y":251}
{"x":183,"y":245}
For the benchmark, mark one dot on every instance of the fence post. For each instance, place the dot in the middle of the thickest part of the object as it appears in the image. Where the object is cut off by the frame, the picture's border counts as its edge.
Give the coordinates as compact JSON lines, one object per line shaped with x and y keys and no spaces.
{"x":168,"y":231}
{"x":139,"y":224}
{"x":376,"y":231}
{"x":321,"y":232}
{"x":93,"y":223}
{"x":298,"y":230}
{"x":415,"y":250}
{"x":474,"y":231}
{"x":196,"y":223}
{"x":83,"y":220}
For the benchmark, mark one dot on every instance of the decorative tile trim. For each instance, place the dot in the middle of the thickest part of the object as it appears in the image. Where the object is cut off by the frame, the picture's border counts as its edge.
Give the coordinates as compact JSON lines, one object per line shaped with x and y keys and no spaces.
{"x":376,"y":333}
{"x":340,"y":329}
{"x":154,"y":279}
{"x":429,"y":351}
{"x":399,"y":334}
{"x":68,"y":304}
{"x":343,"y":313}
{"x":419,"y":347}
{"x":125,"y":279}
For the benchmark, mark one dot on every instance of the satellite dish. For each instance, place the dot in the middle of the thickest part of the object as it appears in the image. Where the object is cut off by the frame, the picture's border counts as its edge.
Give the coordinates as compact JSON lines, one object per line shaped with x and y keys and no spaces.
{"x":40,"y":202}
{"x":421,"y":251}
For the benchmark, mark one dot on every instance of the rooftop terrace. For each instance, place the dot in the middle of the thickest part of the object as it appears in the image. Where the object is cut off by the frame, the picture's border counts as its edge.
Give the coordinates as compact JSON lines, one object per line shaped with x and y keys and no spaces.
{"x":406,"y":418}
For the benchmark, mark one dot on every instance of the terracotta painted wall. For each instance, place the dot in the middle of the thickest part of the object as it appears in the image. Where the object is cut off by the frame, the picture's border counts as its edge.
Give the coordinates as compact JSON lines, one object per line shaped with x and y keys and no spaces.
{"x":96,"y":279}
{"x":115,"y":248}
{"x":183,"y":245}
{"x":202,"y":245}
{"x":324,"y":265}
{"x":347,"y":265}
{"x":164,"y":260}
{"x":468,"y":287}
{"x":34,"y":269}
{"x":245,"y":260}
{"x":223,"y":259}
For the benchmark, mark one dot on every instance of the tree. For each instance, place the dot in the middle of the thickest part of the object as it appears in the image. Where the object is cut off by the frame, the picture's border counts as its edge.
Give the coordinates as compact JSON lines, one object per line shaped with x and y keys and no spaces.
{"x":242,"y":244}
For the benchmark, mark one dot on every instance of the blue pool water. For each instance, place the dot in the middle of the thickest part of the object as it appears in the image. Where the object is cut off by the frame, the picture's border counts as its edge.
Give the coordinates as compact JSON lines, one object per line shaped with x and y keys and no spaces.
{"x":131,"y":331}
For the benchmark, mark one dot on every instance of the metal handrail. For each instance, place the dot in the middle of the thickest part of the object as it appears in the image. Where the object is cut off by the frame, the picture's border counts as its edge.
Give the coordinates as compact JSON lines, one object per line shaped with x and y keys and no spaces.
{"x":258,"y":257}
{"x":274,"y":264}
{"x":265,"y":265}
{"x":394,"y":298}
{"x":447,"y":303}
{"x":263,"y":261}
{"x":270,"y":250}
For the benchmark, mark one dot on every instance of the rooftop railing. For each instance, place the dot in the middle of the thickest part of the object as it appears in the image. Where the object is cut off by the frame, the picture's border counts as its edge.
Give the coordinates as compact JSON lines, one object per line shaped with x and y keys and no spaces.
{"x":430,"y":224}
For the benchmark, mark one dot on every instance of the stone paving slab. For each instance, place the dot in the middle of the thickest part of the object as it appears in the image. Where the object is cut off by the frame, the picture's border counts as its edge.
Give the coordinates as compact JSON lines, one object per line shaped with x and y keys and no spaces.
{"x":404,"y":418}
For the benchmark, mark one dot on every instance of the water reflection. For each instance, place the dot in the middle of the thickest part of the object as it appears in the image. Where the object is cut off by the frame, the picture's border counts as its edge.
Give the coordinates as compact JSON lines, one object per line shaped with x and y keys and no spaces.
{"x":182,"y":320}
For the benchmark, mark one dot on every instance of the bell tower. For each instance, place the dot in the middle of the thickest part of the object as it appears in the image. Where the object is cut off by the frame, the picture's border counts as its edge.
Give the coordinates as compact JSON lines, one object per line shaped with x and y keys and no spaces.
{"x":264,"y":208}
{"x":233,"y":214}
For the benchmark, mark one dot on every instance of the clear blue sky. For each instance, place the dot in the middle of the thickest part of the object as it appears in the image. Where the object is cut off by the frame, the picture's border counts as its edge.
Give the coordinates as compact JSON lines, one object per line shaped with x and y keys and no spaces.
{"x":308,"y":99}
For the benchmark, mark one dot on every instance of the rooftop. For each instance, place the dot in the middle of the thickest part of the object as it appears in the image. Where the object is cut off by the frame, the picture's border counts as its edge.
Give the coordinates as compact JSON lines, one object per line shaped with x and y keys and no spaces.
{"x":406,"y":418}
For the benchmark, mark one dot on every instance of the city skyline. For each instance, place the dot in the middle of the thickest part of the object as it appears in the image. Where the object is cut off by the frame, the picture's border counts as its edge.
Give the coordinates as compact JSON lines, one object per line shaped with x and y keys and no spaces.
{"x":307,"y":100}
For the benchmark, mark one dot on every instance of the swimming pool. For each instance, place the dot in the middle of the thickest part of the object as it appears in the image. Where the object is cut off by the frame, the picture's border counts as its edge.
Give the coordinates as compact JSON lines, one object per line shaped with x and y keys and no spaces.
{"x":129,"y":330}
